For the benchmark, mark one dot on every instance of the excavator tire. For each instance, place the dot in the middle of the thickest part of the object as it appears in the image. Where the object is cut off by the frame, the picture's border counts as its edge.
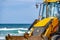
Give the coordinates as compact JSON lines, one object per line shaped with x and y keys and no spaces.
{"x":55,"y":37}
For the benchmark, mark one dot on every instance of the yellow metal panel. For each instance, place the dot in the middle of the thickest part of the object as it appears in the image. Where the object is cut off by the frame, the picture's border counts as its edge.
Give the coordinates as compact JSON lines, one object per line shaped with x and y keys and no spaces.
{"x":50,"y":0}
{"x":42,"y":22}
{"x":48,"y":31}
{"x":32,"y":29}
{"x":51,"y":27}
{"x":55,"y":22}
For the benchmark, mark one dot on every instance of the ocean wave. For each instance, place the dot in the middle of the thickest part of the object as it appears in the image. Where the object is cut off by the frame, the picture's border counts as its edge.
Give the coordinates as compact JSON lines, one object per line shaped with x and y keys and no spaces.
{"x":13,"y":28}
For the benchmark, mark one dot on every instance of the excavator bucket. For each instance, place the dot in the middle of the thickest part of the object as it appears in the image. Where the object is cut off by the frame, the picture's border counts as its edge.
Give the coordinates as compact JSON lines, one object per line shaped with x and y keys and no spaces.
{"x":23,"y":38}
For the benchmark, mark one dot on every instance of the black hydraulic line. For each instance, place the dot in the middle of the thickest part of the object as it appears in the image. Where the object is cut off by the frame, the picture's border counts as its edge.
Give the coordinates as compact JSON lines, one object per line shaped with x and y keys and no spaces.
{"x":36,"y":19}
{"x":59,"y":27}
{"x":33,"y":24}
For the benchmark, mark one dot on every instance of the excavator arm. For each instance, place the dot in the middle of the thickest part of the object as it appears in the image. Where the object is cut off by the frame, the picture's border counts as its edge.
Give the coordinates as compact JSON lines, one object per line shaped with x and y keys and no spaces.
{"x":52,"y":28}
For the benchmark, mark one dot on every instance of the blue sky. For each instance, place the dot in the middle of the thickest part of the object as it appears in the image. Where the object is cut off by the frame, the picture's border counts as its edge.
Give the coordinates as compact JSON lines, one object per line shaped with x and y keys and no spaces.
{"x":18,"y":11}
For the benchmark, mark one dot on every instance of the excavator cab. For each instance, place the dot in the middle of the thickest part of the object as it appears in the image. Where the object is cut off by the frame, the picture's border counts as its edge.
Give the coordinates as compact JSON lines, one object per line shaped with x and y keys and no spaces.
{"x":49,"y":9}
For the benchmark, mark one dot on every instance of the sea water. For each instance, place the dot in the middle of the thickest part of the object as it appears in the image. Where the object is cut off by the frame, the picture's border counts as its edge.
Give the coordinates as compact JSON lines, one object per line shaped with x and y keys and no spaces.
{"x":13,"y":29}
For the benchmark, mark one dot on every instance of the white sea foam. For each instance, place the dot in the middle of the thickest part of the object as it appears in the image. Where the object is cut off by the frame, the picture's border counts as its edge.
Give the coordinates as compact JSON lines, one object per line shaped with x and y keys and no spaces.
{"x":2,"y":37}
{"x":13,"y":28}
{"x":23,"y":32}
{"x":20,"y":32}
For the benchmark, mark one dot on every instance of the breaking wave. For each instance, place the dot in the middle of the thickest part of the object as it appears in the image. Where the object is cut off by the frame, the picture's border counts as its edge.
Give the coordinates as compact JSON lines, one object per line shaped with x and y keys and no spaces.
{"x":13,"y":28}
{"x":12,"y":31}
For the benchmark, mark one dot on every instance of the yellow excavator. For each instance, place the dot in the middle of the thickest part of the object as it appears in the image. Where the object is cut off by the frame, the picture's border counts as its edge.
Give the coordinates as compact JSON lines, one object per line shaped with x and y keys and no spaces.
{"x":48,"y":24}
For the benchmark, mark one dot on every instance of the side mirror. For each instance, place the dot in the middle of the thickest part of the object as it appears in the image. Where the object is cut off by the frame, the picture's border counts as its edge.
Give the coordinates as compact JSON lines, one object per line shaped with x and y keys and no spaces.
{"x":37,"y":5}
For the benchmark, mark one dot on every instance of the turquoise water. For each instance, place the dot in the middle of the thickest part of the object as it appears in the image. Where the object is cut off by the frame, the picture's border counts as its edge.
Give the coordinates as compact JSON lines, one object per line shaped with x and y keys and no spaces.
{"x":15,"y":25}
{"x":13,"y":29}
